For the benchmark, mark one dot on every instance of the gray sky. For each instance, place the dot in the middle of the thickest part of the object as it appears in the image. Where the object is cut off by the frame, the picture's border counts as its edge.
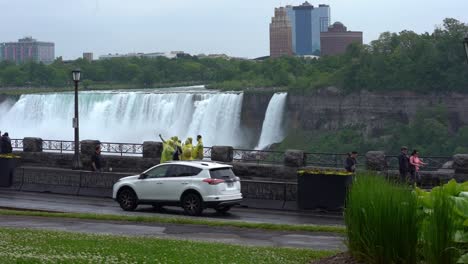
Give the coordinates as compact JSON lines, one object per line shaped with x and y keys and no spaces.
{"x":235,"y":27}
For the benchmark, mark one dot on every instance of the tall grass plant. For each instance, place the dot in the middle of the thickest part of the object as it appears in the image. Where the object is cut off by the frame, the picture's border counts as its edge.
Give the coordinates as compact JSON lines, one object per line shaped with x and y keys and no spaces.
{"x":382,"y":221}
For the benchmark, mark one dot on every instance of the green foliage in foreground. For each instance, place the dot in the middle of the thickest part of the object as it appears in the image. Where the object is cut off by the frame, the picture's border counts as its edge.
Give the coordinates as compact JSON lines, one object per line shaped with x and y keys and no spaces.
{"x":382,"y":221}
{"x":445,"y":223}
{"x":31,"y":246}
{"x":391,"y":223}
{"x":180,"y":220}
{"x":396,"y":61}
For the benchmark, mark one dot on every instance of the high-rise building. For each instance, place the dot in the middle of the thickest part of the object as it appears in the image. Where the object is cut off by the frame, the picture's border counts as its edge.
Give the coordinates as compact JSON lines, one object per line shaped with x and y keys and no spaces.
{"x":88,"y":56}
{"x":280,"y":34}
{"x":308,"y":23}
{"x":338,"y":38}
{"x":292,"y":19}
{"x":28,"y":49}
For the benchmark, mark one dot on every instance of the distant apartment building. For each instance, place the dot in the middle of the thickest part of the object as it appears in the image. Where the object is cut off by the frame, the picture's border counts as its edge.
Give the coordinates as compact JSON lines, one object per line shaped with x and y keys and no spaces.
{"x":88,"y":56}
{"x":280,"y":34}
{"x":307,"y":23}
{"x":337,"y":39}
{"x":28,"y":49}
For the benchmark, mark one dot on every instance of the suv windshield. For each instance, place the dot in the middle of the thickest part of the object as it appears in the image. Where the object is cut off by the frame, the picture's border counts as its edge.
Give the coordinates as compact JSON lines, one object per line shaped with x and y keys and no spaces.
{"x":223,"y":173}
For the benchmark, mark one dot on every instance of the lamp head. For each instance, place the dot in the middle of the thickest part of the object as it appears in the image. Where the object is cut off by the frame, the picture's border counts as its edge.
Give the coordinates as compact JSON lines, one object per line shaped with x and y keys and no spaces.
{"x":76,"y":75}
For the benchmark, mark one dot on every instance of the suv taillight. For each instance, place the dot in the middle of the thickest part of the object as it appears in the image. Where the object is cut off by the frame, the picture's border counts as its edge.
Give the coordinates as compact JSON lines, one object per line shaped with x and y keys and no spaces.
{"x":213,"y":181}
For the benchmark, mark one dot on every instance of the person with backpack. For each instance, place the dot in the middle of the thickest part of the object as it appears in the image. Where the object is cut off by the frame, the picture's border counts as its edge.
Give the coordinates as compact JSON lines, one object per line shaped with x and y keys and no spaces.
{"x":6,"y":144}
{"x":415,"y":163}
{"x":350,"y":163}
{"x":403,"y":162}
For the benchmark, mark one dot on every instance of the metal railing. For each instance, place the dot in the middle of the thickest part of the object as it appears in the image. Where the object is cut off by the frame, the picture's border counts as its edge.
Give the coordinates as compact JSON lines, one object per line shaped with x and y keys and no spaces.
{"x":433,"y":163}
{"x":335,"y":160}
{"x":258,"y":156}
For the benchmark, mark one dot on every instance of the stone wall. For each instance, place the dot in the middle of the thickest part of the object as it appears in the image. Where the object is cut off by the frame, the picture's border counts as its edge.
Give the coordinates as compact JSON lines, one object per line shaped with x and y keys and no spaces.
{"x":86,"y":183}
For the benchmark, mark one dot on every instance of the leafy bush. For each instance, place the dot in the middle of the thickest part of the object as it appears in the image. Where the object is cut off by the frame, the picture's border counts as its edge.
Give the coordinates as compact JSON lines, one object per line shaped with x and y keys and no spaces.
{"x":382,"y":221}
{"x":444,"y":235}
{"x":389,"y":223}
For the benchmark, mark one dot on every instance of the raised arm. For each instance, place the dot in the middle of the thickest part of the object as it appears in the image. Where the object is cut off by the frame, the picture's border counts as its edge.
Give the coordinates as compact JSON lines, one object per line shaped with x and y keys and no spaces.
{"x":163,"y":141}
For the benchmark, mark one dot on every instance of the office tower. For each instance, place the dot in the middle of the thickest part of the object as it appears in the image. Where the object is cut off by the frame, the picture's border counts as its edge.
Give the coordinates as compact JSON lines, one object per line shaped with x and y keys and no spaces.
{"x":280,"y":34}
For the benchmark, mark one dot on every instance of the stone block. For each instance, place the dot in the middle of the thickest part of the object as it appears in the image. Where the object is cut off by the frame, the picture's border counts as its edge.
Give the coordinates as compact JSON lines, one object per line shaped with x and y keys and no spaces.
{"x":294,"y":158}
{"x":222,"y":153}
{"x":375,"y":160}
{"x":32,"y":144}
{"x":88,"y":147}
{"x":152,"y":149}
{"x":460,"y":163}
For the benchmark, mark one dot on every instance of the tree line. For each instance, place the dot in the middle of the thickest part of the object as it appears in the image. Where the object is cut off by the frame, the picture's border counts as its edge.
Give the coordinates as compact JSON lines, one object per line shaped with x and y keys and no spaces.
{"x":425,"y":62}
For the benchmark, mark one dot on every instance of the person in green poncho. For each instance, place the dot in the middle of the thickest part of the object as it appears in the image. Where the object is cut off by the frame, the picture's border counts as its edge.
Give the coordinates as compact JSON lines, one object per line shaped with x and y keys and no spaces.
{"x":197,"y":153}
{"x":187,"y":149}
{"x":168,"y":149}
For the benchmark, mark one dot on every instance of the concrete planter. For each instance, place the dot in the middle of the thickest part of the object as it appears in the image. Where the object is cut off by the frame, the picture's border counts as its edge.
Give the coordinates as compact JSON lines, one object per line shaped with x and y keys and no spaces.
{"x":322,"y":190}
{"x":7,"y":170}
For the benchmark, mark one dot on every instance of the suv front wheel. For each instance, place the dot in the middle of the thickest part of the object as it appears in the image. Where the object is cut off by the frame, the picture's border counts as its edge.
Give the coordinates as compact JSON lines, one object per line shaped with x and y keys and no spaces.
{"x":127,"y":199}
{"x":192,"y":204}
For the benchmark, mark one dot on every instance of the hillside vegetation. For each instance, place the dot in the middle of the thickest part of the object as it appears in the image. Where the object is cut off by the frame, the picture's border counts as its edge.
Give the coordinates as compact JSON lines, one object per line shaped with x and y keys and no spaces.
{"x":396,"y":61}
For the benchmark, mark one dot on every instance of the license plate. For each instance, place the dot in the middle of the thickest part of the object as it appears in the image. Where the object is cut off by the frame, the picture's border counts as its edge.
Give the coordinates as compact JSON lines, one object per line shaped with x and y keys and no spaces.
{"x":230,"y":184}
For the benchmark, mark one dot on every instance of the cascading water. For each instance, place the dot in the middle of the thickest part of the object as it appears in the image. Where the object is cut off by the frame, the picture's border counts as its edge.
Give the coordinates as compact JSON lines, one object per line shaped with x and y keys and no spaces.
{"x":123,"y":116}
{"x":272,"y":129}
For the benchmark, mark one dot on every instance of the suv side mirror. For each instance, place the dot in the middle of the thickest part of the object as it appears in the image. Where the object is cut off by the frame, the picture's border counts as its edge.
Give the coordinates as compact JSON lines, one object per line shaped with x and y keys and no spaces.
{"x":143,"y":176}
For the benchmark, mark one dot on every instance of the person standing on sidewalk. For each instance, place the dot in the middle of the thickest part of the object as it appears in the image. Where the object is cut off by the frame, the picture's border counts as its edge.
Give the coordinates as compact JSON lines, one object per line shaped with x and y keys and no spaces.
{"x":350,"y":163}
{"x":96,"y":160}
{"x":403,"y":162}
{"x":415,"y":163}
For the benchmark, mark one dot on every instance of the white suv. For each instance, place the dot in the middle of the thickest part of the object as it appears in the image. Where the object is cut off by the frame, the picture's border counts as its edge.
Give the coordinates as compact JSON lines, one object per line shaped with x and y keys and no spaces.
{"x":194,"y":185}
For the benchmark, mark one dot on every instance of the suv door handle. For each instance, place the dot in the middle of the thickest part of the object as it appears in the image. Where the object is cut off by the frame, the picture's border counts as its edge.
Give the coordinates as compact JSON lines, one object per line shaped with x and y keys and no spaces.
{"x":184,"y":182}
{"x":159,"y":183}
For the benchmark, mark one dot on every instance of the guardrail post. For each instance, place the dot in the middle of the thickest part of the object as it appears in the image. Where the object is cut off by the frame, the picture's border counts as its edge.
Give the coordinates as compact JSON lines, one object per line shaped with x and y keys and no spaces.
{"x":32,"y":144}
{"x":222,"y":153}
{"x":152,"y":149}
{"x":294,"y":158}
{"x":375,"y":160}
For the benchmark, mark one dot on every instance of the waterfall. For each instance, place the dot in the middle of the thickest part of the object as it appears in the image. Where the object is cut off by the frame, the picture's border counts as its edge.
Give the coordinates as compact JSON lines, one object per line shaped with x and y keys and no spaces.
{"x":272,"y":129}
{"x":124,"y":116}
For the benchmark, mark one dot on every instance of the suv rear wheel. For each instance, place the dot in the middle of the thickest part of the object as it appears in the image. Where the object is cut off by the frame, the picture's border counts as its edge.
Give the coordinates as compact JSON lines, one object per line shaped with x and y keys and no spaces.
{"x":127,"y":199}
{"x":192,"y":204}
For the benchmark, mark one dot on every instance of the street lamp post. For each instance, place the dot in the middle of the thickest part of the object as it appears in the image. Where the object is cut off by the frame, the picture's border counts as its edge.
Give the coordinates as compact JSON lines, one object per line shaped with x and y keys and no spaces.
{"x":466,"y":46}
{"x":76,"y":158}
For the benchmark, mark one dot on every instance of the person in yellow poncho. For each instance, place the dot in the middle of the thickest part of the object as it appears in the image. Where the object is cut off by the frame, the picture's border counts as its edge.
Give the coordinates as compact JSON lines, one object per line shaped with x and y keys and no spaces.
{"x":168,"y":149}
{"x":187,"y":149}
{"x":197,"y":152}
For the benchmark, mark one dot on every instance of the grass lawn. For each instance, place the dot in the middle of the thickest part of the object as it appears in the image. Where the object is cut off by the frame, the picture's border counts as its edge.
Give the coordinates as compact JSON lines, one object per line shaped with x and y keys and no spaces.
{"x":34,"y":246}
{"x":181,"y":220}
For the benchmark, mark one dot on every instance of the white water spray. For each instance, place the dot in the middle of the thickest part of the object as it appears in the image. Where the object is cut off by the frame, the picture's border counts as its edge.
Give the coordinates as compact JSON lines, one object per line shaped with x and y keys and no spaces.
{"x":124,"y":116}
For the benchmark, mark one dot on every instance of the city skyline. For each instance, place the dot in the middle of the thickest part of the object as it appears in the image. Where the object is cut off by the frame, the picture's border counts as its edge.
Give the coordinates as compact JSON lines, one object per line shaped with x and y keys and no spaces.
{"x":236,"y":28}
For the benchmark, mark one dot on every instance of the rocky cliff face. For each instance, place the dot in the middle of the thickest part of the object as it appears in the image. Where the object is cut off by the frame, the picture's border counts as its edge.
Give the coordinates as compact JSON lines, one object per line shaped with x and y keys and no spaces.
{"x":328,"y":109}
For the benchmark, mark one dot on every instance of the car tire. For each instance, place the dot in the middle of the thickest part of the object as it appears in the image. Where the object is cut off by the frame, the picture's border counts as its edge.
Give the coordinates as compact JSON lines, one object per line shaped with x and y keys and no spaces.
{"x":127,"y":199}
{"x":223,"y":209}
{"x":192,"y":204}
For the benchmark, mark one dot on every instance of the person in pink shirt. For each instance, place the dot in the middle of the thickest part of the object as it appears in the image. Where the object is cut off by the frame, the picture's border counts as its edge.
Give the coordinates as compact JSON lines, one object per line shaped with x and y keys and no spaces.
{"x":415,"y":163}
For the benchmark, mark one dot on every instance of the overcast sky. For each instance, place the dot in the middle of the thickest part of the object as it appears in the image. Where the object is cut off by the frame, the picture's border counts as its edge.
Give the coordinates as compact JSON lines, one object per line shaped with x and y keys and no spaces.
{"x":235,"y":27}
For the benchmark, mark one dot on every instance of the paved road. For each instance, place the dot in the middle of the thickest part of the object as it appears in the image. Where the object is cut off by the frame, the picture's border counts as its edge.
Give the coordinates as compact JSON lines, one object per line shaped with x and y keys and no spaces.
{"x":190,"y":232}
{"x":80,"y":204}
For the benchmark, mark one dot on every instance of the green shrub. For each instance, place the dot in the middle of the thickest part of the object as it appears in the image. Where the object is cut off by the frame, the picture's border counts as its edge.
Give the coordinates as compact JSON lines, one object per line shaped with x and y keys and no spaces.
{"x":444,"y":236}
{"x":382,"y":221}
